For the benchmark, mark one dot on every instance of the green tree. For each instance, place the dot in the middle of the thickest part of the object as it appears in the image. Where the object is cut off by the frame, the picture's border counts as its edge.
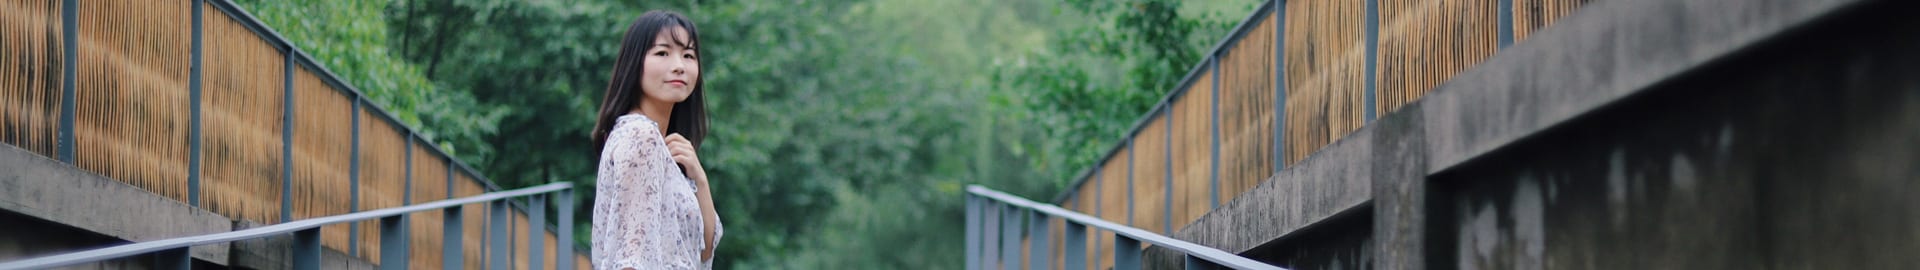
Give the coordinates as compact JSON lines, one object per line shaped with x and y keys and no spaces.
{"x":1099,"y":78}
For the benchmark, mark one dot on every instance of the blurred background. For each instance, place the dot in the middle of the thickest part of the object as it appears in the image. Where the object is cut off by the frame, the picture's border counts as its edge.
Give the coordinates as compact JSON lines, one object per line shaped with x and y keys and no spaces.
{"x":840,"y":127}
{"x":876,"y":134}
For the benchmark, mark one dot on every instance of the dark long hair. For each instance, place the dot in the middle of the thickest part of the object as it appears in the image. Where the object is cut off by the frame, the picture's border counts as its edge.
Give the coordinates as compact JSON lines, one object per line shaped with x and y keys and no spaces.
{"x":623,"y":92}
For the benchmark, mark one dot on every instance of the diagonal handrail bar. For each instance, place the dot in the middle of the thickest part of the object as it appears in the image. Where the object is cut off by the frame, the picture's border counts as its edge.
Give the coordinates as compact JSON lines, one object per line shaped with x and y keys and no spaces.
{"x":1215,"y":256}
{"x":139,"y":248}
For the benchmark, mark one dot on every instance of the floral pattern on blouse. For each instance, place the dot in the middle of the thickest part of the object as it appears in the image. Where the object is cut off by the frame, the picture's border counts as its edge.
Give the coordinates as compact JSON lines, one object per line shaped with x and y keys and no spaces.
{"x":645,"y":211}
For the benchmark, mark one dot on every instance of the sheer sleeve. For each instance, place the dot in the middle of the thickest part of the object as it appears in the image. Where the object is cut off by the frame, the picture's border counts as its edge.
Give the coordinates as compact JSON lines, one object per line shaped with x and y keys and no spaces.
{"x":719,"y":230}
{"x":626,"y":201}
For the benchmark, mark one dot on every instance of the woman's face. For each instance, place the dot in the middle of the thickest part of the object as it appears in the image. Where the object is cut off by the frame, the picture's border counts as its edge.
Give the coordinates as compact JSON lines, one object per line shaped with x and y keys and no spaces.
{"x":671,"y":67}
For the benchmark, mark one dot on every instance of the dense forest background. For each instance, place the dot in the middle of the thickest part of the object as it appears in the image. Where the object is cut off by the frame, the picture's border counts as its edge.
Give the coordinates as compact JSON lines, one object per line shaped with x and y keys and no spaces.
{"x":843,"y":130}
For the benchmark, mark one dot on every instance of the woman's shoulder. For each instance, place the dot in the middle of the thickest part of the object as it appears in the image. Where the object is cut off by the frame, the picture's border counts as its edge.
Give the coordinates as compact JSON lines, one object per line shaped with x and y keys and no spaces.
{"x":635,"y":123}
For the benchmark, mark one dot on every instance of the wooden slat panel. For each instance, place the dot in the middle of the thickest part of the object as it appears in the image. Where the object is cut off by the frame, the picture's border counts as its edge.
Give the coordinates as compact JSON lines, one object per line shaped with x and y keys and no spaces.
{"x":1113,"y":206}
{"x":1424,"y":43}
{"x":1057,"y":237}
{"x":520,"y":240}
{"x":1532,"y":15}
{"x":382,"y":175}
{"x":1114,"y":173}
{"x":429,"y":184}
{"x":1150,"y":176}
{"x":242,"y":112}
{"x":132,"y":93}
{"x":551,"y":250}
{"x":323,"y":127}
{"x":1247,"y":110}
{"x":1325,"y":55}
{"x":1192,"y":152}
{"x":1087,"y":203}
{"x":580,"y":262}
{"x":30,"y":74}
{"x":475,"y":221}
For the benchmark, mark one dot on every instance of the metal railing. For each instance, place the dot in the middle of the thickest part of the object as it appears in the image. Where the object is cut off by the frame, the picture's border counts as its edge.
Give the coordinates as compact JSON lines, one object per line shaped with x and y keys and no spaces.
{"x":172,"y":253}
{"x":994,"y":219}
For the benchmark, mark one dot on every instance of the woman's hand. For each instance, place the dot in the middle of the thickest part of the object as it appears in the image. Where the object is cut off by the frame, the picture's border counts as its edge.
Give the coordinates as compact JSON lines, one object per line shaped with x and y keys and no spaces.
{"x":684,"y":154}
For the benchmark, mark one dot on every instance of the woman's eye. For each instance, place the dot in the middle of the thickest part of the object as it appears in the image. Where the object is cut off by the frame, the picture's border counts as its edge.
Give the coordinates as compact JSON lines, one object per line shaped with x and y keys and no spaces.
{"x":660,"y":53}
{"x":691,"y":56}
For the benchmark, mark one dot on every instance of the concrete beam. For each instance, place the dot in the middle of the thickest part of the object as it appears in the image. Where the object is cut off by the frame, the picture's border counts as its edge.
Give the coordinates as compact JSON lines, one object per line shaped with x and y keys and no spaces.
{"x":42,"y":188}
{"x":1605,"y":52}
{"x":1329,"y":182}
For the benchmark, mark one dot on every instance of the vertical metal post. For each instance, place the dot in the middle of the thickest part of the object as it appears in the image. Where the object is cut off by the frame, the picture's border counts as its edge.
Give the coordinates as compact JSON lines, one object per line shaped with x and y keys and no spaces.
{"x":973,"y":232}
{"x":69,"y":25}
{"x":1213,"y":194}
{"x":1037,"y":245}
{"x":406,"y":188}
{"x":1505,"y":12}
{"x":406,"y":198}
{"x":565,"y":246}
{"x":1195,"y":263}
{"x":1130,"y":153}
{"x":286,"y":139}
{"x":353,"y":180}
{"x":452,"y":256}
{"x":1373,"y":54}
{"x":306,"y":249}
{"x":498,"y":240}
{"x":1279,"y":86}
{"x":990,"y":240}
{"x":1166,"y":198}
{"x":195,"y":65}
{"x":173,"y":259}
{"x":1126,"y":253}
{"x":1010,"y":240}
{"x":393,"y":242}
{"x":1076,"y":246}
{"x":536,"y":231}
{"x":1098,"y":189}
{"x":448,"y":160}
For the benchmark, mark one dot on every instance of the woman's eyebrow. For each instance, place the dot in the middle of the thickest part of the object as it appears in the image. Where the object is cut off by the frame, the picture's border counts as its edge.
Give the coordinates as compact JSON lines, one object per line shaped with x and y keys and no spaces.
{"x":674,"y":45}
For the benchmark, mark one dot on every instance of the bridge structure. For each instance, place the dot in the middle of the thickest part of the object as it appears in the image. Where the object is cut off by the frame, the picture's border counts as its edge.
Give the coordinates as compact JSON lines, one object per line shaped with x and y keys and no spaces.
{"x":1510,"y":134}
{"x":143,"y":122}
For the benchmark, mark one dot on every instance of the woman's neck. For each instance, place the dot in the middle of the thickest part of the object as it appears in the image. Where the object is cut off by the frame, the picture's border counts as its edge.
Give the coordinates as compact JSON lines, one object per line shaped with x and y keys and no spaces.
{"x":657,"y":112}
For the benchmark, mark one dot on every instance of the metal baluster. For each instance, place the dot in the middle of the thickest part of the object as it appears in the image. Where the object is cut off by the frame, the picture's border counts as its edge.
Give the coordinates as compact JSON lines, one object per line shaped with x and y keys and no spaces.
{"x":306,"y":249}
{"x":1126,"y":253}
{"x":393,"y":242}
{"x":536,"y":231}
{"x":1010,"y":241}
{"x":452,"y":256}
{"x":1037,"y":246}
{"x":1076,"y":246}
{"x":973,"y":232}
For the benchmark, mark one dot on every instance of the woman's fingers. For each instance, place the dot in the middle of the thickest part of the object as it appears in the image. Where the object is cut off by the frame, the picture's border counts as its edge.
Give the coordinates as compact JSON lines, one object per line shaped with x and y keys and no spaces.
{"x":671,"y":138}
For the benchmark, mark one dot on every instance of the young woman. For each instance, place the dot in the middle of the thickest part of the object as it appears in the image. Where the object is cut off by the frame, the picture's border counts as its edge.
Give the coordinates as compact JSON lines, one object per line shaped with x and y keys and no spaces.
{"x":652,"y":209}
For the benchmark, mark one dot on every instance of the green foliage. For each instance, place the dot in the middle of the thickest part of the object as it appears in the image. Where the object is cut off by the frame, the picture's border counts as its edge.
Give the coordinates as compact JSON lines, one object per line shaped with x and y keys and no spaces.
{"x":350,"y":39}
{"x":1098,"y":79}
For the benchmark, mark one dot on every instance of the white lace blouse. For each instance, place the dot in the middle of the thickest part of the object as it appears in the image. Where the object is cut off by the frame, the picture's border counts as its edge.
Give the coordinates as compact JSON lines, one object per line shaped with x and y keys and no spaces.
{"x":645,"y":212}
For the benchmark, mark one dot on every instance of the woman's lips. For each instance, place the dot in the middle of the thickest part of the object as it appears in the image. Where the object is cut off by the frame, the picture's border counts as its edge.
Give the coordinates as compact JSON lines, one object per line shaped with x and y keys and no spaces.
{"x":680,"y":82}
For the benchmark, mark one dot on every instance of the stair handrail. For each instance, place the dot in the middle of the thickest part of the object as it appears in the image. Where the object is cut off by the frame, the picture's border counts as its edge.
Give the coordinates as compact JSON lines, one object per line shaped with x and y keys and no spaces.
{"x":981,"y":200}
{"x":305,"y":230}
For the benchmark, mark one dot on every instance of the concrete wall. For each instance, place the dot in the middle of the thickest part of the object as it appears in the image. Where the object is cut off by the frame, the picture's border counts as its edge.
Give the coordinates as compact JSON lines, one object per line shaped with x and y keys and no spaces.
{"x":1701,"y":134}
{"x":1802,"y":153}
{"x":44,"y":197}
{"x":53,"y":208}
